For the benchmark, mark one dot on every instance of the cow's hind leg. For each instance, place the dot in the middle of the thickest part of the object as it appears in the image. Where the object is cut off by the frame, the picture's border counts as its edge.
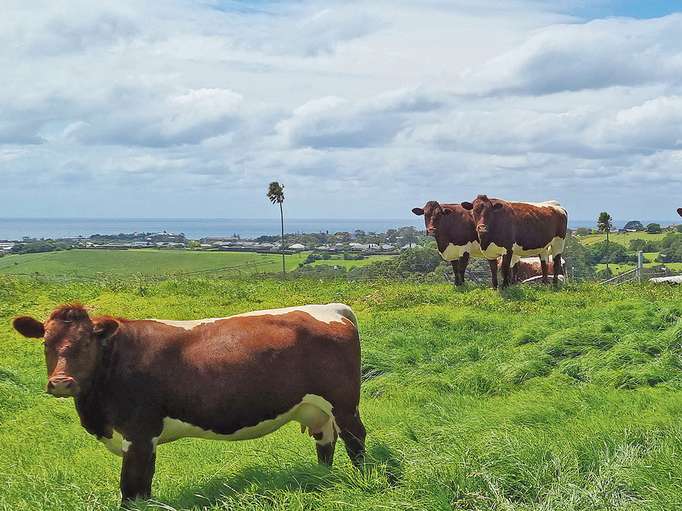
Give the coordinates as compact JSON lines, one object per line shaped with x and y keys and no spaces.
{"x":543,"y":265}
{"x":325,"y":443}
{"x":353,"y":434}
{"x":558,"y":269}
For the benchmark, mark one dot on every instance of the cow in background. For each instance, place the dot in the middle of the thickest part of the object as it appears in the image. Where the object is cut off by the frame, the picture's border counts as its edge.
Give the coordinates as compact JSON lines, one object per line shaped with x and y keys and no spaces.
{"x":529,"y":267}
{"x":519,"y":229}
{"x":456,"y":238}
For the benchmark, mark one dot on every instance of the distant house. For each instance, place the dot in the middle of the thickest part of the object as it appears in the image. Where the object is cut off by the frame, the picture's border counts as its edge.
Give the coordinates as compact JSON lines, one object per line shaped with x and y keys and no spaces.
{"x":297,"y":246}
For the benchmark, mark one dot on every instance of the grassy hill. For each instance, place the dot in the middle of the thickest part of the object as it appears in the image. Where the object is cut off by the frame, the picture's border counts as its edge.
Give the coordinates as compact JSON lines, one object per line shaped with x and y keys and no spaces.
{"x":529,"y":400}
{"x":90,"y":263}
{"x":621,"y":238}
{"x":93,"y":263}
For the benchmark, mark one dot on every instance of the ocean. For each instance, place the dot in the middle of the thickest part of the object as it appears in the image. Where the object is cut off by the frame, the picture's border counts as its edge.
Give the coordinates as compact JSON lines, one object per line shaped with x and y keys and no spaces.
{"x":195,"y":228}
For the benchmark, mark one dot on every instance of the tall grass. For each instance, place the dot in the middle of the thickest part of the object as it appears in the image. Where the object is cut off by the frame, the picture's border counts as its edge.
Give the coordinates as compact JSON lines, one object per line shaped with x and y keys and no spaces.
{"x":528,"y":400}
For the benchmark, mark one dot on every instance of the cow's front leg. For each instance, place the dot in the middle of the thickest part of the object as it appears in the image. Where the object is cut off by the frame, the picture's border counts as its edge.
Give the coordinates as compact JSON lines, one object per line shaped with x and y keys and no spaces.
{"x":455,"y":270}
{"x":493,"y":272}
{"x":506,"y":264}
{"x":137,"y":471}
{"x":463,"y":263}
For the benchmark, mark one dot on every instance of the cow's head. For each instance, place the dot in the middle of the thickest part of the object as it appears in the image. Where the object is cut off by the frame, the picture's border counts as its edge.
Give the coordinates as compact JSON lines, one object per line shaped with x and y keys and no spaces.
{"x":679,"y":211}
{"x":433,"y":213}
{"x":73,"y":346}
{"x":485,"y":213}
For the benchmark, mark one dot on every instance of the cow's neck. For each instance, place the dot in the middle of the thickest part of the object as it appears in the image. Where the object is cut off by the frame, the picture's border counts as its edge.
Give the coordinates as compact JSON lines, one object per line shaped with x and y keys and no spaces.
{"x":91,"y":404}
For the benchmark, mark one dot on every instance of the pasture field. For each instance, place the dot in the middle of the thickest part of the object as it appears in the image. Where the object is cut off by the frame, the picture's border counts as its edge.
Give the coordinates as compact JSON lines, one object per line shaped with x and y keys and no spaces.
{"x":93,"y":263}
{"x":620,"y":238}
{"x":352,"y":263}
{"x":531,"y":399}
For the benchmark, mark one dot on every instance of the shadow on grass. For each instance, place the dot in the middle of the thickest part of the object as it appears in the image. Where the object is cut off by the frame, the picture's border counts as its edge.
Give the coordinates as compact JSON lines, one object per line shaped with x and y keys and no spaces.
{"x":262,"y":480}
{"x":306,"y":477}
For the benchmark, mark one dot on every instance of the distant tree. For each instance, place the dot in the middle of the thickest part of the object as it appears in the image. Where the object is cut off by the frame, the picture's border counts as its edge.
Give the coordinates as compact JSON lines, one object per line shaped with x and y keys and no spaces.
{"x":678,"y":228}
{"x":637,"y":245}
{"x":654,"y":228}
{"x":634,"y":225}
{"x":583,"y":231}
{"x":276,"y":196}
{"x":578,"y":259}
{"x":605,"y":224}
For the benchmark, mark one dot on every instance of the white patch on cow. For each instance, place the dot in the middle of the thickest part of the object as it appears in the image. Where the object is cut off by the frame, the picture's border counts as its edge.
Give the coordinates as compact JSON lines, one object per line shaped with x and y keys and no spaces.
{"x":454,"y":252}
{"x":546,"y":204}
{"x":326,"y":313}
{"x":116,"y":444}
{"x":313,"y":412}
{"x":493,"y":251}
{"x":553,"y":248}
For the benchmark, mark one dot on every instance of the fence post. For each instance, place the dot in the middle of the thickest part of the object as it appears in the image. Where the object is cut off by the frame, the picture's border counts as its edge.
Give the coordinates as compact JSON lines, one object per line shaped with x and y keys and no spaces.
{"x":640,"y":265}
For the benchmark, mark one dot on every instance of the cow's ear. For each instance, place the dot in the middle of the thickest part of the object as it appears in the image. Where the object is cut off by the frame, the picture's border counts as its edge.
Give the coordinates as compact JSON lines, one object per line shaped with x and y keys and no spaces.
{"x":467,"y":205}
{"x":497,"y":205}
{"x":105,"y":328}
{"x":29,"y":327}
{"x":418,"y":211}
{"x":679,"y":211}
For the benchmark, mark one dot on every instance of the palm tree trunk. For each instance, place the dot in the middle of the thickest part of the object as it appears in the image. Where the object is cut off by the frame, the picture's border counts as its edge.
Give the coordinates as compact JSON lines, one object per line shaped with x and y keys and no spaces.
{"x":607,"y":250}
{"x":281,"y":217}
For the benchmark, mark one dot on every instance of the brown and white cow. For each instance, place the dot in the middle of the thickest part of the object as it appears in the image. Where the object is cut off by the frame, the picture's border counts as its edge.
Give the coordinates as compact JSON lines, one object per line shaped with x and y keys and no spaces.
{"x":520,"y":229}
{"x":139,"y":384}
{"x":530,"y":267}
{"x":456,"y":238}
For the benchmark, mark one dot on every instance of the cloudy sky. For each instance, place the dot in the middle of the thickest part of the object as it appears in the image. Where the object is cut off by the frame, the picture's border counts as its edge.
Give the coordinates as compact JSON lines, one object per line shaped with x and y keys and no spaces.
{"x":363,"y":109}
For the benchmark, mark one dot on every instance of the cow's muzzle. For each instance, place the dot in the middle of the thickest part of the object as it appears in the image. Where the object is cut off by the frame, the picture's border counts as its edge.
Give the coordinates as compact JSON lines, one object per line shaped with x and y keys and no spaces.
{"x":62,"y":386}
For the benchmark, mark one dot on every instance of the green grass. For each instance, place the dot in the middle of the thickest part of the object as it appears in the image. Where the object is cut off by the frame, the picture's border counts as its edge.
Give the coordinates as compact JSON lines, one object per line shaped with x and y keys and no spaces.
{"x":352,"y":263}
{"x":623,"y":267}
{"x":621,"y":238}
{"x":91,"y":263}
{"x":528,"y":400}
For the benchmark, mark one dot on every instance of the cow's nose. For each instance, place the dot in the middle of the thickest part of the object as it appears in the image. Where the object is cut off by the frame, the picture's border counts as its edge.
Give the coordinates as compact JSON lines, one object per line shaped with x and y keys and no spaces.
{"x":61,"y":386}
{"x":482,"y":228}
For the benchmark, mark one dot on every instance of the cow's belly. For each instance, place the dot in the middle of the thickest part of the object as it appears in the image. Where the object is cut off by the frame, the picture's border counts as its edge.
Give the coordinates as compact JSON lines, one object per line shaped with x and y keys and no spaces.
{"x":454,"y":252}
{"x":313,"y":412}
{"x":493,"y":251}
{"x":554,"y":247}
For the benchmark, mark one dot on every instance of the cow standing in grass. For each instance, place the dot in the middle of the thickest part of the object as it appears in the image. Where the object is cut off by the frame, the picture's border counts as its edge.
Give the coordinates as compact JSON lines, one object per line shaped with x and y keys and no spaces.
{"x":455,"y":233}
{"x":139,"y":384}
{"x":519,"y":229}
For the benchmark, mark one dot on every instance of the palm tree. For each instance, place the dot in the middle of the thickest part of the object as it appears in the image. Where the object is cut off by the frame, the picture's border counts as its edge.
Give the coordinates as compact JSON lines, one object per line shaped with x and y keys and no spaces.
{"x":276,"y":196}
{"x":605,"y":224}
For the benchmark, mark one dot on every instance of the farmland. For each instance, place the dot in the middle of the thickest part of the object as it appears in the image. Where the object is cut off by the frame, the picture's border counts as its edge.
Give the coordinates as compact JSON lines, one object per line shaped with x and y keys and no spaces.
{"x":622,"y":238}
{"x":530,"y":399}
{"x":93,"y":263}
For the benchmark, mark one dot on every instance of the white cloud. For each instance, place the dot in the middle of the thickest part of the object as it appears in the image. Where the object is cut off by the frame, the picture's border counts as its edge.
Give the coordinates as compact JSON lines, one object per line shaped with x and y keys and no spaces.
{"x":360,"y":108}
